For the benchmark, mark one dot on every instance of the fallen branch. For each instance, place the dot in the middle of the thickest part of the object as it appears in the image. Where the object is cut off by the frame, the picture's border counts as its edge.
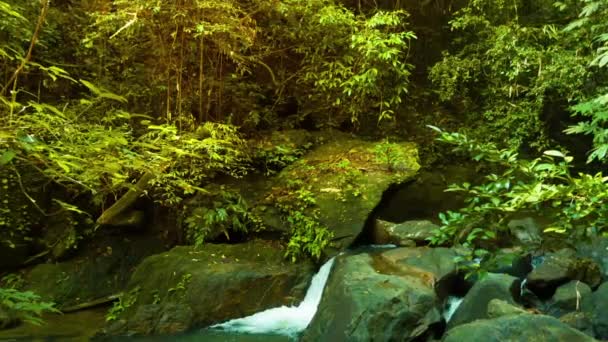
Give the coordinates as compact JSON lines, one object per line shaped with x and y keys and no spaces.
{"x":93,"y":303}
{"x":110,"y":214}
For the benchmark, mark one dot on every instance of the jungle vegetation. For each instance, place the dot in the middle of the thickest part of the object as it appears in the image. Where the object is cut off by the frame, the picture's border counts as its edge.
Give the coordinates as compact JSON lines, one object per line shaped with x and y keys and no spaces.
{"x":103,"y":98}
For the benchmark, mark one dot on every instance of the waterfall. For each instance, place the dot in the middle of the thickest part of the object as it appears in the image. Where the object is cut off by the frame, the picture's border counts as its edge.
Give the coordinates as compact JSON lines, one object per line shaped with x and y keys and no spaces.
{"x":284,"y":320}
{"x":452,"y":304}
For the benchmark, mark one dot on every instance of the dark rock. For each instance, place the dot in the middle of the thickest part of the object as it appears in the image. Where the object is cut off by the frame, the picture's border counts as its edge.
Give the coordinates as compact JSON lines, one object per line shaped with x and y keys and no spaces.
{"x":104,"y":270}
{"x":426,"y":197}
{"x":595,"y":249}
{"x":516,"y":328}
{"x":568,"y":297}
{"x":509,"y":261}
{"x":189,"y":287}
{"x":407,"y":234}
{"x":499,"y":308}
{"x":579,"y":320}
{"x":596,"y":305}
{"x":362,"y":303}
{"x":167,"y":319}
{"x":475,"y":304}
{"x":559,"y":268}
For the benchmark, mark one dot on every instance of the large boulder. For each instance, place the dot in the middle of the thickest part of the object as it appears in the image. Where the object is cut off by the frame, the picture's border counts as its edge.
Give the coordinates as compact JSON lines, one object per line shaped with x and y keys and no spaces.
{"x":347,"y":178}
{"x":568,"y":298}
{"x":521,"y":327}
{"x":189,"y":287}
{"x":101,"y":271}
{"x":475,"y":304}
{"x":436,"y":266}
{"x":363,"y":302}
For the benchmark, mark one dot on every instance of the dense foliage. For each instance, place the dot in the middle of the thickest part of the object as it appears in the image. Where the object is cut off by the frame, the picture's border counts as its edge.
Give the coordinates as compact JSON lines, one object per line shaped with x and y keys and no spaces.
{"x":105,"y":102}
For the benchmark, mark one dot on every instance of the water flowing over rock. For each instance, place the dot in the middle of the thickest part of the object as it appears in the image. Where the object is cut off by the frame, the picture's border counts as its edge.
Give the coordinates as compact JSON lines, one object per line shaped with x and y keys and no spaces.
{"x":190,"y":287}
{"x":285,"y":320}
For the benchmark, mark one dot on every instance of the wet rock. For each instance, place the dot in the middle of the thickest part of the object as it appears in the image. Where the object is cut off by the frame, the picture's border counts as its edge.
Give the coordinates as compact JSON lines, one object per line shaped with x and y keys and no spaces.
{"x":568,"y":297}
{"x":560,"y":267}
{"x":526,"y":231}
{"x":580,"y":321}
{"x":511,"y":261}
{"x":167,"y":319}
{"x":596,"y":305}
{"x":363,"y":303}
{"x":524,"y":327}
{"x":475,"y":304}
{"x":189,"y":287}
{"x":436,"y":266}
{"x":499,"y":308}
{"x":408,"y":233}
{"x":595,"y":249}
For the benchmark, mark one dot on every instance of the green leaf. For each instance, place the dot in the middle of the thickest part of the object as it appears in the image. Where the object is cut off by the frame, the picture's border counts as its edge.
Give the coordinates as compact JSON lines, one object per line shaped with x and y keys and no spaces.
{"x":7,"y":156}
{"x":554,"y":153}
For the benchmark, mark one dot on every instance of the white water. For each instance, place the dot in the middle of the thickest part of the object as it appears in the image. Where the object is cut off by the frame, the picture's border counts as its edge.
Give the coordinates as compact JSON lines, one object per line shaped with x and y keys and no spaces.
{"x":284,"y":320}
{"x":452,"y":304}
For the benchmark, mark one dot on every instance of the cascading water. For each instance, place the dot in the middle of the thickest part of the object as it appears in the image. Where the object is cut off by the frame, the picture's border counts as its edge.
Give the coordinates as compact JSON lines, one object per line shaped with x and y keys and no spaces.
{"x":452,"y":304}
{"x":284,"y":320}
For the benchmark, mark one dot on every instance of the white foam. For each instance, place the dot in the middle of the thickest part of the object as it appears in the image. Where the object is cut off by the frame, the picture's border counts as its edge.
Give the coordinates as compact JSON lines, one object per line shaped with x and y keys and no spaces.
{"x":284,"y":320}
{"x":452,"y":304}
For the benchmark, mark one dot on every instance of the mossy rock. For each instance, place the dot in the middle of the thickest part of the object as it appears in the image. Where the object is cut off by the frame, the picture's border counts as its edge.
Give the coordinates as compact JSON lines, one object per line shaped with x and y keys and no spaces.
{"x":200,"y":286}
{"x":347,"y":178}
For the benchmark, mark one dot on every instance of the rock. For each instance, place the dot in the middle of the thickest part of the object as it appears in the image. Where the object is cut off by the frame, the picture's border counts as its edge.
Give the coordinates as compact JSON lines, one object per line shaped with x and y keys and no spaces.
{"x":511,"y":261}
{"x":578,"y":320}
{"x":526,"y":231}
{"x":347,"y":178}
{"x":596,"y":305}
{"x":425,"y":196}
{"x":475,"y":304}
{"x":524,"y":327}
{"x":190,"y":287}
{"x":167,"y":319}
{"x":435,"y":265}
{"x":595,"y":249}
{"x":568,"y":297}
{"x":408,"y":233}
{"x":103,"y":270}
{"x":363,"y":303}
{"x":560,"y":267}
{"x":499,"y":308}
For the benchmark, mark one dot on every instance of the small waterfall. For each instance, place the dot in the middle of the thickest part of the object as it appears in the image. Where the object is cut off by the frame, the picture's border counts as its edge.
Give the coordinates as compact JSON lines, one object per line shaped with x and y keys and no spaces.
{"x":284,"y":320}
{"x":452,"y":304}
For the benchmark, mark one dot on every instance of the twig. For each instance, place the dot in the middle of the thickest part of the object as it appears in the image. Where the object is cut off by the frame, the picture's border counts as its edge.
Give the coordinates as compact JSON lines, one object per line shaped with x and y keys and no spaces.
{"x":28,"y":56}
